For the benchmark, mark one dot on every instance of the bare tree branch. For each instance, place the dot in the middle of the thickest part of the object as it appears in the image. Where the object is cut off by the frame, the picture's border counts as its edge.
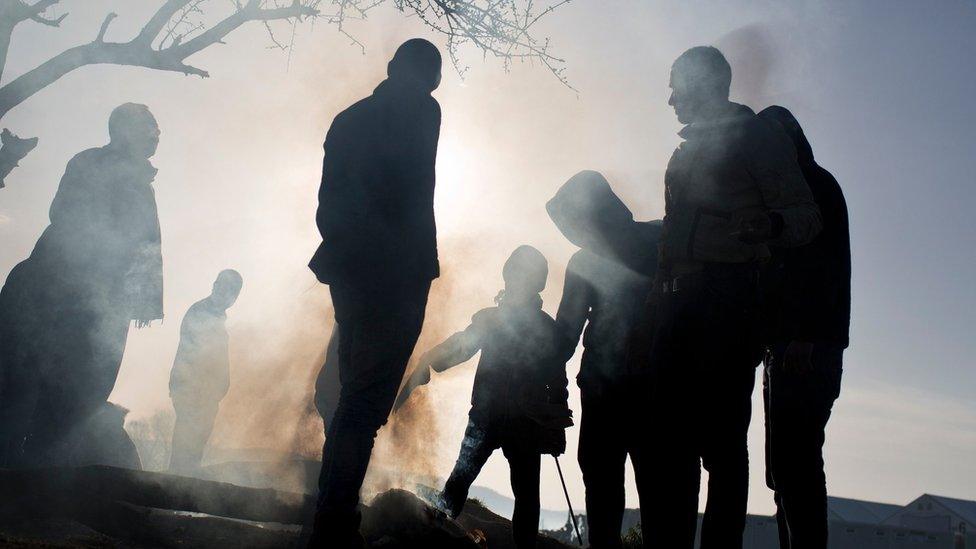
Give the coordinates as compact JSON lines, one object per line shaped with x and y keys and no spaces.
{"x":49,"y":22}
{"x":104,"y":27}
{"x":178,"y":29}
{"x":159,"y":19}
{"x":139,"y":52}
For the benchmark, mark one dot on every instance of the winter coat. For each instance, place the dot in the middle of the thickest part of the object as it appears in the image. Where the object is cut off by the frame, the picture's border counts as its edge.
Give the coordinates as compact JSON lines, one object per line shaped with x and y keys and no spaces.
{"x":727,"y":170}
{"x":376,"y":201}
{"x":807,"y":289}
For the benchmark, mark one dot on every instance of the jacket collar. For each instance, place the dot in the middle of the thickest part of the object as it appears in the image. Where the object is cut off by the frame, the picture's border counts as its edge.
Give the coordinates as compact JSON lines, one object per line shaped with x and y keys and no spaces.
{"x":734,"y":114}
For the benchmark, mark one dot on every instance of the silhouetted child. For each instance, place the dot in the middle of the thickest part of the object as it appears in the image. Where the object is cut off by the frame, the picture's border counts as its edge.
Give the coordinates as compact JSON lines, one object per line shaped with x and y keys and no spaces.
{"x":519,"y":401}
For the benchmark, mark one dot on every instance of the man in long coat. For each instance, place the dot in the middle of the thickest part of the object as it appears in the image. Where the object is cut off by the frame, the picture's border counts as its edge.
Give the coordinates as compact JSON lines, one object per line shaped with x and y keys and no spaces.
{"x":65,"y":310}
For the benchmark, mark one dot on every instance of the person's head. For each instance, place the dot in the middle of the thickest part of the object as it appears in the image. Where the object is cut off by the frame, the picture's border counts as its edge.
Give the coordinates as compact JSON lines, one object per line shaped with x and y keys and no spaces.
{"x":786,"y":120}
{"x":586,"y":210}
{"x":226,"y":288}
{"x":132,"y":128}
{"x":418,"y":62}
{"x":700,"y":81}
{"x":525,"y":273}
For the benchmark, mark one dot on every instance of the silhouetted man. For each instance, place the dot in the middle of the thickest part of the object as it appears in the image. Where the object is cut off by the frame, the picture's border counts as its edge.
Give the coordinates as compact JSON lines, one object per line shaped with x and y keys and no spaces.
{"x":732,"y":188}
{"x":201,"y":371}
{"x":378,"y":255}
{"x":604,"y":291}
{"x":807,"y":303}
{"x":65,"y":311}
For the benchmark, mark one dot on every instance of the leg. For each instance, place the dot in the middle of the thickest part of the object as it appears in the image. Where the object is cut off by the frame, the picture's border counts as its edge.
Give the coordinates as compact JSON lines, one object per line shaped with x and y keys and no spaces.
{"x":602,"y":457}
{"x":19,"y":391}
{"x":379,"y":331}
{"x":669,"y":460}
{"x":725,"y":455}
{"x":783,"y":530}
{"x":525,"y":469}
{"x":194,"y":424}
{"x":327,"y":384}
{"x":81,"y":369}
{"x":475,"y":451}
{"x":728,"y":352}
{"x":646,"y":491}
{"x":799,"y":408}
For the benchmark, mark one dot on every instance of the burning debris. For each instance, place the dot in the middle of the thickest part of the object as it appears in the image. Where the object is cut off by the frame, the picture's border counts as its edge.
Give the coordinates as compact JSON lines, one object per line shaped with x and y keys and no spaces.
{"x":102,"y":506}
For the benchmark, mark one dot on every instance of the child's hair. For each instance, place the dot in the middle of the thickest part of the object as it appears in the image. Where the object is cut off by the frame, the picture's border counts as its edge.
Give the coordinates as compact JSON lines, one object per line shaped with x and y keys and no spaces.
{"x":526,"y":271}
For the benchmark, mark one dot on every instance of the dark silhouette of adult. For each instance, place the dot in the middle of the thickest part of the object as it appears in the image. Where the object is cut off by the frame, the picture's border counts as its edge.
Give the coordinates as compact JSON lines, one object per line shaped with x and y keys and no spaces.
{"x":65,"y":311}
{"x":604,"y":291}
{"x":732,"y":189}
{"x":200,"y":376}
{"x":378,"y":256}
{"x":807,"y":304}
{"x":519,"y":398}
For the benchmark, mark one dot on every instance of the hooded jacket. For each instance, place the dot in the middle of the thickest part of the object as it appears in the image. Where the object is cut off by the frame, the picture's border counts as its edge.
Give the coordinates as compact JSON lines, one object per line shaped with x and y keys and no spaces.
{"x":807,"y":289}
{"x":376,"y":201}
{"x":607,"y":281}
{"x":727,"y":170}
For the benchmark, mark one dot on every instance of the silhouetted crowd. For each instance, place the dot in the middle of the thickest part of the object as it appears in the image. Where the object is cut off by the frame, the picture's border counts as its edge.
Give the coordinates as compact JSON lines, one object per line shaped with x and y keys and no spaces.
{"x":750,"y":265}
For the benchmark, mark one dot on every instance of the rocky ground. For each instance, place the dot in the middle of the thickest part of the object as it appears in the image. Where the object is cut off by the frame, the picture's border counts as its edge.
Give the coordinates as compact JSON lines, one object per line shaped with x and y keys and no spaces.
{"x":111,"y":507}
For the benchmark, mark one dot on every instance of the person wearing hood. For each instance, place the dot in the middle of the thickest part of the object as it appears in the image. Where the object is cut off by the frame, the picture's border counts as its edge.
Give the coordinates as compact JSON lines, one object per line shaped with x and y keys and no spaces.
{"x":807,"y":307}
{"x":65,"y":311}
{"x":607,"y":282}
{"x":733,"y":188}
{"x":378,"y":256}
{"x":200,"y":377}
{"x":519,"y":400}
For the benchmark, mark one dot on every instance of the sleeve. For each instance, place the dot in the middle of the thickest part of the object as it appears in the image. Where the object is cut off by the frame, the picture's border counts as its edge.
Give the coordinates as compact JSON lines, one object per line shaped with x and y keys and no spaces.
{"x":180,"y":376}
{"x":558,"y":383}
{"x":771,"y":161}
{"x":335,"y":211}
{"x":574,"y":309}
{"x":460,"y":347}
{"x":822,"y":306}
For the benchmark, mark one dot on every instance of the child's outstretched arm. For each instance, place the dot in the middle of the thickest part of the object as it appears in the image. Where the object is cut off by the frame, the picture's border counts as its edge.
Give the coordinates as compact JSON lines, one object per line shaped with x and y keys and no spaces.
{"x":457,"y":349}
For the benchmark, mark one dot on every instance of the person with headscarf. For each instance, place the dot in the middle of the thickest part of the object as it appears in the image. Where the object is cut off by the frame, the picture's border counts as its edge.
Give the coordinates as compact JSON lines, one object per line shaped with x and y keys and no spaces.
{"x":378,"y":256}
{"x":732,"y":189}
{"x":65,"y":311}
{"x":519,"y":399}
{"x":607,"y":282}
{"x":200,"y":377}
{"x":807,"y":307}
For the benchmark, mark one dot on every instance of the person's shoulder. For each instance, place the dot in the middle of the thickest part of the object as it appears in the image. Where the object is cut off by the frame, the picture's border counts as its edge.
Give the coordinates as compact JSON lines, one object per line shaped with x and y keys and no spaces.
{"x":199,"y":309}
{"x":578,"y":261}
{"x":484,"y":317}
{"x":434,"y":105}
{"x":546,"y":320}
{"x":87,"y":157}
{"x":827,"y":184}
{"x":354,"y":111}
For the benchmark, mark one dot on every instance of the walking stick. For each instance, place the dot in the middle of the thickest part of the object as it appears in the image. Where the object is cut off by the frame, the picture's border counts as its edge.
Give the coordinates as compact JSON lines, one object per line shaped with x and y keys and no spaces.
{"x":572,"y":515}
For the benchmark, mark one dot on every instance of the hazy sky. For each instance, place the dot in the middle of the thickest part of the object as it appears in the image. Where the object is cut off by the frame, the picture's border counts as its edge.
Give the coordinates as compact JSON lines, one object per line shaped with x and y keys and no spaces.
{"x":884,"y":90}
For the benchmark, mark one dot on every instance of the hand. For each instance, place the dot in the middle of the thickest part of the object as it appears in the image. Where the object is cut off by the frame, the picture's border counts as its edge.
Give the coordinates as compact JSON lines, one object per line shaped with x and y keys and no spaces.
{"x":798,"y":357}
{"x":754,"y":230}
{"x":420,"y":376}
